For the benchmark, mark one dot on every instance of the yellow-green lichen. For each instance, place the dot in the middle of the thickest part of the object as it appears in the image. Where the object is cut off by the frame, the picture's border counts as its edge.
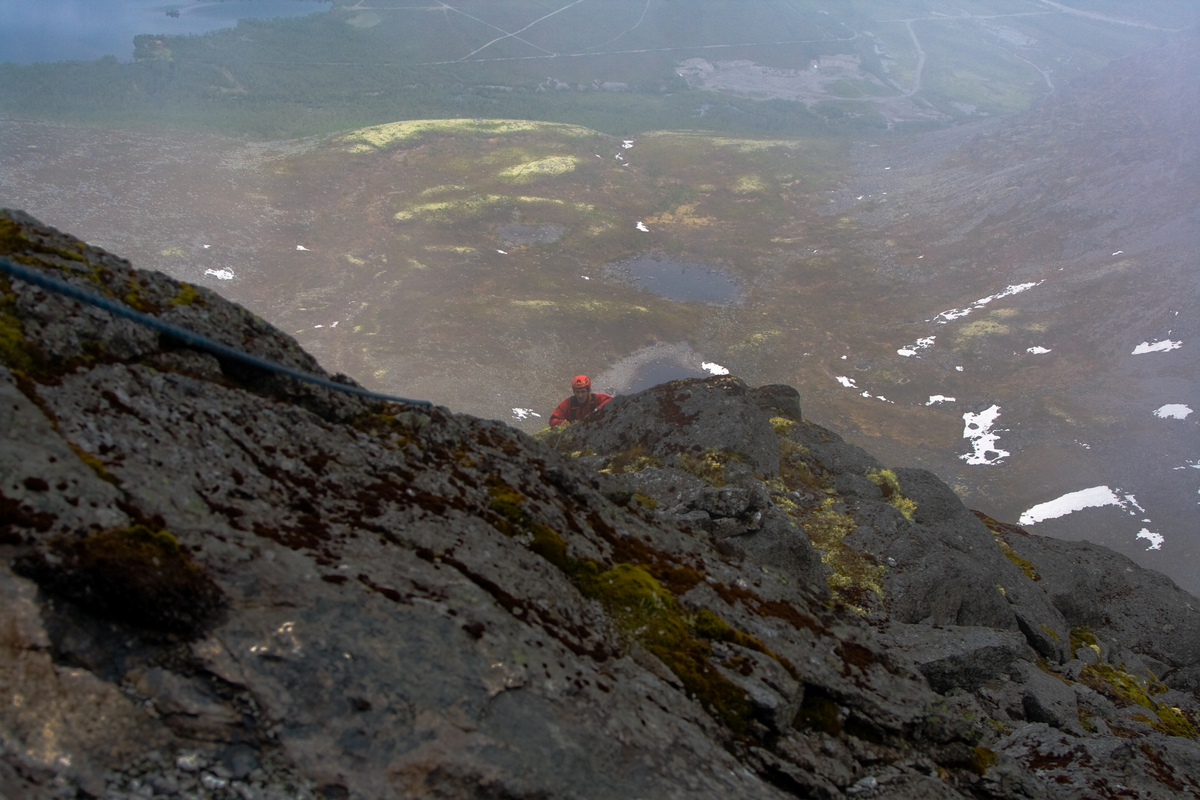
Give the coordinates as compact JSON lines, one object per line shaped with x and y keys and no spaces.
{"x":93,"y":463}
{"x":782,"y":425}
{"x":749,"y":184}
{"x":709,"y":466}
{"x":1026,"y":566}
{"x":646,"y":500}
{"x":381,"y":136}
{"x":855,"y":578}
{"x":644,"y":612}
{"x":506,"y":503}
{"x":1126,"y":689}
{"x":981,"y":759}
{"x":186,"y":296}
{"x":14,"y":350}
{"x":889,"y":485}
{"x":635,"y":459}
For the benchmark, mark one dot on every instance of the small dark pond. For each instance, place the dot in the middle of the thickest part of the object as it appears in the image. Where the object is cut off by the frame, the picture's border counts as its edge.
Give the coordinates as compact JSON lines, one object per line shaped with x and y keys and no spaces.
{"x":685,"y":281}
{"x":656,"y":372}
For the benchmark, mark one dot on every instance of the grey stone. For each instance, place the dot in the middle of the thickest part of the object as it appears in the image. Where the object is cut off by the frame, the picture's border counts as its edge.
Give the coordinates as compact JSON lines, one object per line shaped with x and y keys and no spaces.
{"x":688,"y":416}
{"x":955,"y":657}
{"x":1049,"y":699}
{"x":408,"y":606}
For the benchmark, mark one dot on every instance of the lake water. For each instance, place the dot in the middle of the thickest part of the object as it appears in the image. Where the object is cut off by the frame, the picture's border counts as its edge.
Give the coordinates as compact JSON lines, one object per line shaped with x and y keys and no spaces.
{"x":84,"y":30}
{"x":657,"y":372}
{"x":678,"y":280}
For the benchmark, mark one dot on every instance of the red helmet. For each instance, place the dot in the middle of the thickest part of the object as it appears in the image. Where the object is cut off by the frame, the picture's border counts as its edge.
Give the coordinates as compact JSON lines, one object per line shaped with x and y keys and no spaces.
{"x":581,"y":382}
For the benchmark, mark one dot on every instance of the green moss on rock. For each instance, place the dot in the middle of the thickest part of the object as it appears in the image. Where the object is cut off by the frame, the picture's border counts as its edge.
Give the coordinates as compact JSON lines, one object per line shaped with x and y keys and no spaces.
{"x":709,"y":466}
{"x":889,"y":485}
{"x":646,"y":613}
{"x":137,"y":576}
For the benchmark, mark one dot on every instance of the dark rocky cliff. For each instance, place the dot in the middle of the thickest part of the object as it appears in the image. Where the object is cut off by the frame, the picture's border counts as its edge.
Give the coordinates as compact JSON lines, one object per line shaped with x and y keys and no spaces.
{"x":220,"y":582}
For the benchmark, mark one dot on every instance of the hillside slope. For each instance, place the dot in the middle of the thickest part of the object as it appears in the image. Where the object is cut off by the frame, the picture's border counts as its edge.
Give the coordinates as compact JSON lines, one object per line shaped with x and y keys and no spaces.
{"x":224,"y":582}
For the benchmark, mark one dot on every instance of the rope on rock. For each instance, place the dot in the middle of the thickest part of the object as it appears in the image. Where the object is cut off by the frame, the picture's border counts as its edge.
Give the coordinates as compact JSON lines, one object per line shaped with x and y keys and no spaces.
{"x":190,"y":338}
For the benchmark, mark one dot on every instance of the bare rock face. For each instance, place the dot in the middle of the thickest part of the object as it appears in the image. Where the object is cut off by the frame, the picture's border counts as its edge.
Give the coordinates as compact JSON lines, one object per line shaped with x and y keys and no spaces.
{"x":692,"y":417}
{"x":221,"y":582}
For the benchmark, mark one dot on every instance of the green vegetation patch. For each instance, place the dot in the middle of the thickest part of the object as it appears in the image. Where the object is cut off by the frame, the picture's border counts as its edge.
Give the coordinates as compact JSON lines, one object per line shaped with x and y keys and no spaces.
{"x":1025,"y":565}
{"x":635,"y":459}
{"x":1126,"y":689}
{"x":379,"y":137}
{"x":186,"y":296}
{"x":855,"y":578}
{"x":709,"y":466}
{"x":542,"y":168}
{"x":646,"y":613}
{"x":14,"y":350}
{"x":886,"y":480}
{"x":136,"y":575}
{"x":506,"y":503}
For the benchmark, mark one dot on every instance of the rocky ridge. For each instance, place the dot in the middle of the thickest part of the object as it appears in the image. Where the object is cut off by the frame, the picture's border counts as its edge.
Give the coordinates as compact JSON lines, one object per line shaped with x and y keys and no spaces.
{"x":220,"y":582}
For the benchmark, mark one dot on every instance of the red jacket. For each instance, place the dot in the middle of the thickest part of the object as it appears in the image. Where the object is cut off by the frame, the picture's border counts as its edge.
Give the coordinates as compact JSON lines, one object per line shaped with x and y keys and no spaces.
{"x":571,"y":411}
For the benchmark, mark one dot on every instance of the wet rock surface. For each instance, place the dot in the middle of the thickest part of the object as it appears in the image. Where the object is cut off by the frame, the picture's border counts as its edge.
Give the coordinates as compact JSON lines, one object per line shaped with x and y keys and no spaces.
{"x":696,"y":593}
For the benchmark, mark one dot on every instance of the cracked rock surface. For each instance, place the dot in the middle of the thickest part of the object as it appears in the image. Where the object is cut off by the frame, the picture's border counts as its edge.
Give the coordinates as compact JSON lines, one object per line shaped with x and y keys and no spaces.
{"x":219,"y":582}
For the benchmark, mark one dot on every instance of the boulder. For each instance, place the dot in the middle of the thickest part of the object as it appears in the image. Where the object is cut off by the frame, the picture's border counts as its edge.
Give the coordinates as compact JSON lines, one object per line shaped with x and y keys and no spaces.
{"x":690,"y":417}
{"x":956,"y":657}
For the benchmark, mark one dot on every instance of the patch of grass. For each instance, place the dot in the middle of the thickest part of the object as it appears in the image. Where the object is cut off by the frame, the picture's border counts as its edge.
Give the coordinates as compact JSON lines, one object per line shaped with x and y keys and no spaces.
{"x":384,"y":136}
{"x":533,"y":170}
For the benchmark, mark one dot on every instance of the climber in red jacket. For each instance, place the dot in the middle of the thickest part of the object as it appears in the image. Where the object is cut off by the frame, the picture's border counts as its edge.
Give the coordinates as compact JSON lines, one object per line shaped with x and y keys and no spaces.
{"x":582,"y":402}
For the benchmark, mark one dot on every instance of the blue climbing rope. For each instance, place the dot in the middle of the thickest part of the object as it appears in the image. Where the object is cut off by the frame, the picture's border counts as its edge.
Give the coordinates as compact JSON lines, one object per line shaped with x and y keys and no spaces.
{"x":190,"y":338}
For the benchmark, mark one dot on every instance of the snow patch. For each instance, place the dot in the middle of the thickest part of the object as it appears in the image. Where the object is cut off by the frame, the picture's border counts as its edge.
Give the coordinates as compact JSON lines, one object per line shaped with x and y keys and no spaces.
{"x":714,"y":368}
{"x":302,"y":247}
{"x":641,"y":226}
{"x":958,"y":313}
{"x":939,"y":398}
{"x":978,"y":428}
{"x":1173,"y":411}
{"x":524,"y":413}
{"x":1037,"y":351}
{"x":847,"y":382}
{"x":220,"y":274}
{"x":1156,"y":347}
{"x":1095,"y":497}
{"x":920,"y":344}
{"x":1155,"y":539}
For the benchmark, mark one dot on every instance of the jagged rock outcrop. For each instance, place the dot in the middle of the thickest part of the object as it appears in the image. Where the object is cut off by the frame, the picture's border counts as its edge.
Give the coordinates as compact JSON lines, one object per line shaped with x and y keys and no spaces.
{"x":221,"y":582}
